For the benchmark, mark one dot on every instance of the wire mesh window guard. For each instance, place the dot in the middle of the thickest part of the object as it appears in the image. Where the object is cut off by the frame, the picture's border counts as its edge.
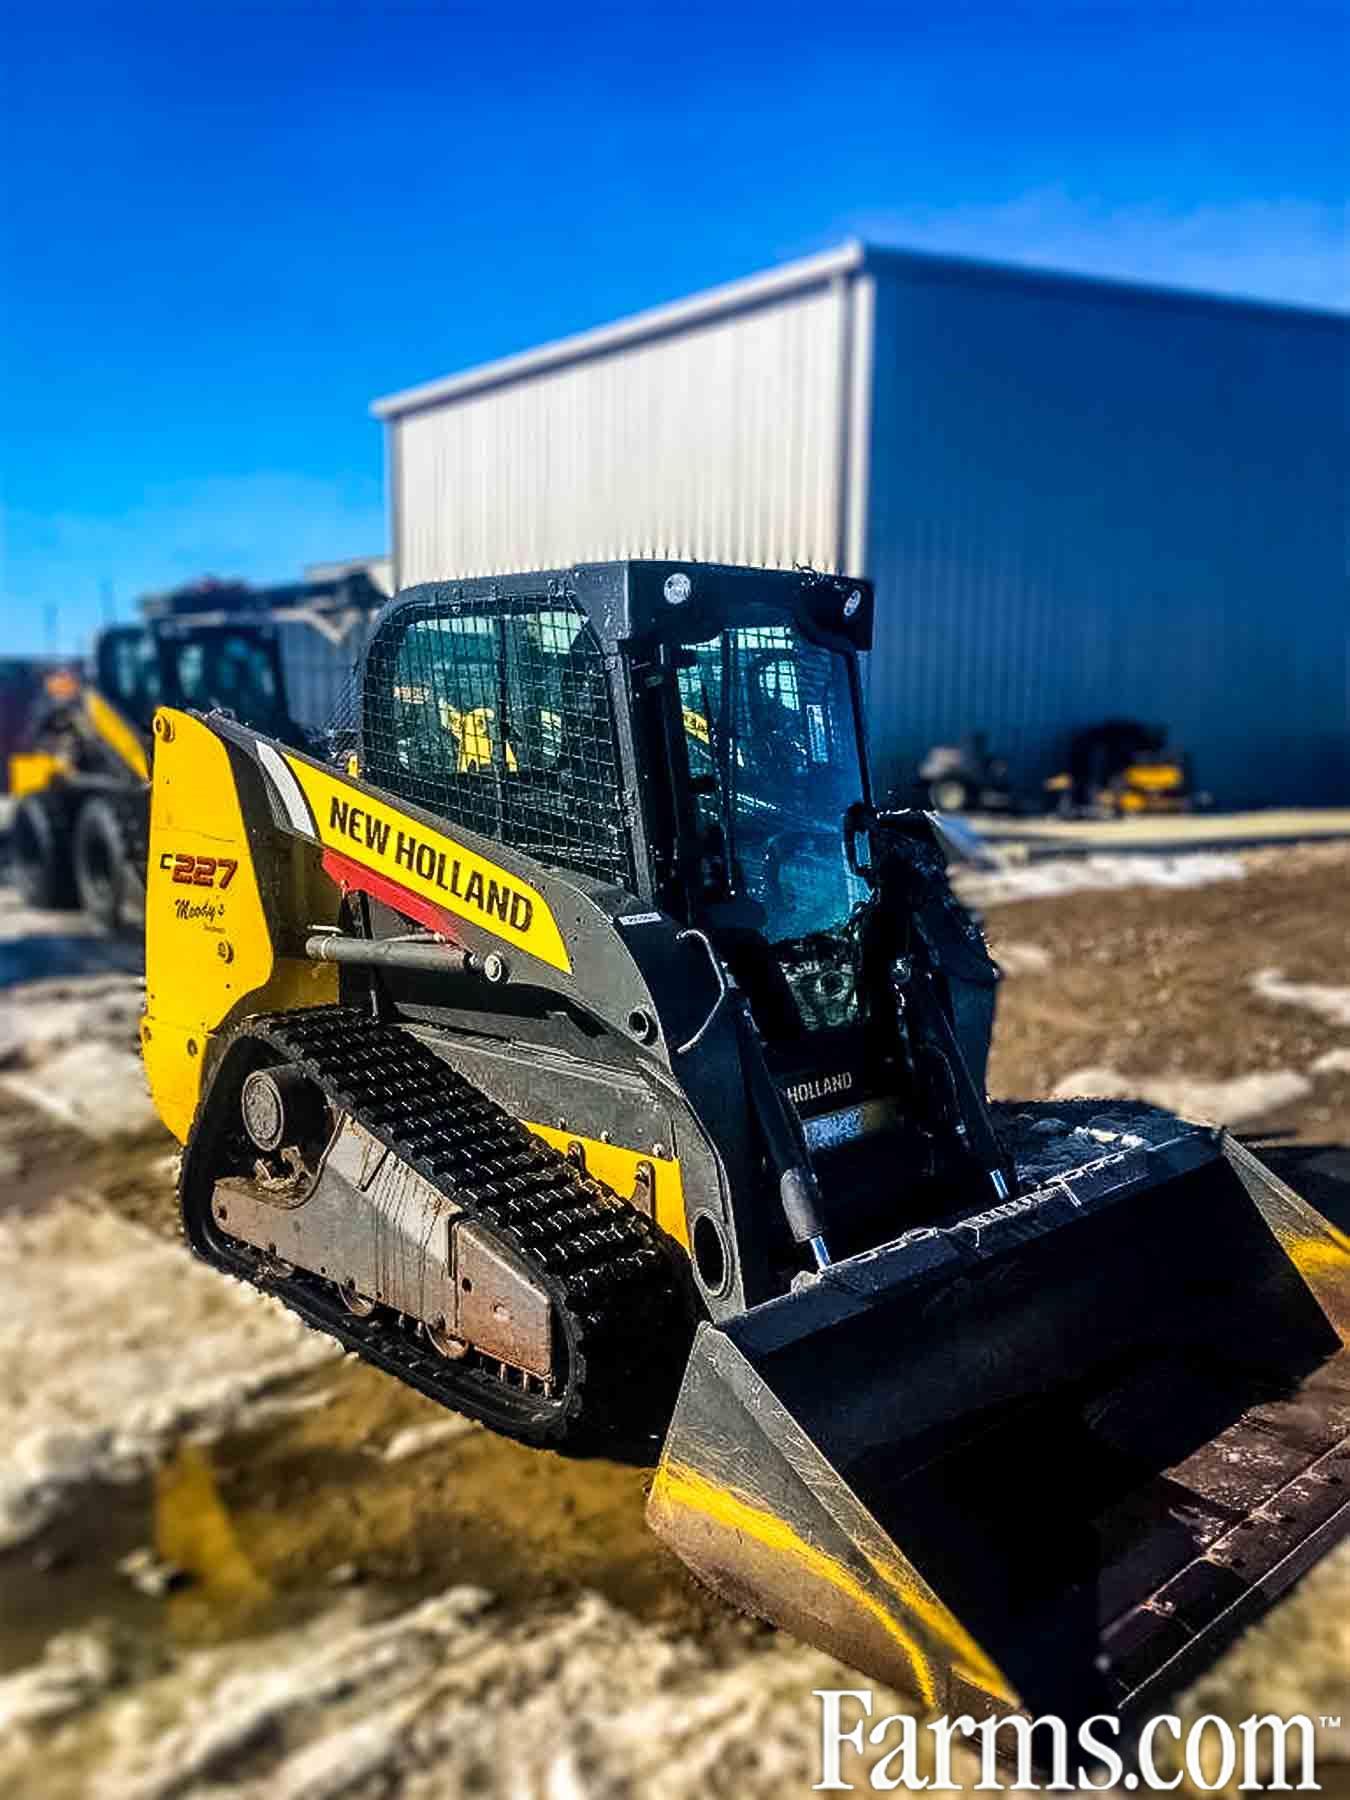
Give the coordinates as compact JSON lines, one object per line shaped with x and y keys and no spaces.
{"x":495,"y":715}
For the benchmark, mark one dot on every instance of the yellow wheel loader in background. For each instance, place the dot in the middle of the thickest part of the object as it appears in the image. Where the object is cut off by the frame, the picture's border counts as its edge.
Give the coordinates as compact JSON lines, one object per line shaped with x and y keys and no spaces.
{"x":626,"y":1079}
{"x":80,"y":776}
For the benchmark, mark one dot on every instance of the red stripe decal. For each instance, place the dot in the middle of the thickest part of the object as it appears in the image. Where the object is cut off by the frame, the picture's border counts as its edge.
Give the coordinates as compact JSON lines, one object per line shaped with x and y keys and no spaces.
{"x":354,"y":876}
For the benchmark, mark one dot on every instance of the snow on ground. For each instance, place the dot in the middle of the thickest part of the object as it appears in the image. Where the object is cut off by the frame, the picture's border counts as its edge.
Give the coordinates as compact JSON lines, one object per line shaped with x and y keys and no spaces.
{"x":449,"y":1697}
{"x":1327,"y":1002}
{"x":39,"y":1018}
{"x":1056,"y":875}
{"x":70,"y":999}
{"x":1235,"y":1102}
{"x":112,"y":1343}
{"x":454,"y":1696}
{"x":1022,"y":959}
{"x":77,"y":1669}
{"x":417,"y":1440}
{"x":96,"y":1088}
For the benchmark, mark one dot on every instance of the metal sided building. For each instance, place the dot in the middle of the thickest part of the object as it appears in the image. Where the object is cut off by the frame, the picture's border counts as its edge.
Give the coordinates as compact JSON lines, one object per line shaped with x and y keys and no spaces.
{"x":1078,"y":499}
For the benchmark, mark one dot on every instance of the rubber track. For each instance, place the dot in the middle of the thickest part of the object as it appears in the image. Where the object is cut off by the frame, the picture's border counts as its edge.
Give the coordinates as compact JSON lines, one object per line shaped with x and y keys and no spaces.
{"x":611,"y":1283}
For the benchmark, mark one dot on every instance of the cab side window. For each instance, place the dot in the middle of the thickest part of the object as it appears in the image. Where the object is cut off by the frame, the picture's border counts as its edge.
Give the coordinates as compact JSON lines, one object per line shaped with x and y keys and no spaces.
{"x":496,"y":716}
{"x":230,"y":669}
{"x":129,"y":674}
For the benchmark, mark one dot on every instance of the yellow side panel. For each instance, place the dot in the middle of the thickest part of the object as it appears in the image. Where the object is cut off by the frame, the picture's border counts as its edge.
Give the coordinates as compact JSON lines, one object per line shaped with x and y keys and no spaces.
{"x":617,"y":1168}
{"x":120,"y":737}
{"x":33,"y":771}
{"x":209,"y":952}
{"x":430,"y":864}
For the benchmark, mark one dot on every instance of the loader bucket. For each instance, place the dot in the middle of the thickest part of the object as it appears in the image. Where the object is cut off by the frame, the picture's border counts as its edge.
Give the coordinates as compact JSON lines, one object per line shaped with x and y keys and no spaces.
{"x":1053,"y":1457}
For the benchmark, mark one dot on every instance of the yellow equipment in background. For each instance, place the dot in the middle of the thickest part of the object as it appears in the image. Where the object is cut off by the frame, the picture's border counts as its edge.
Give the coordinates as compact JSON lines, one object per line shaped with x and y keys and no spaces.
{"x":81,"y":776}
{"x":1121,"y":768}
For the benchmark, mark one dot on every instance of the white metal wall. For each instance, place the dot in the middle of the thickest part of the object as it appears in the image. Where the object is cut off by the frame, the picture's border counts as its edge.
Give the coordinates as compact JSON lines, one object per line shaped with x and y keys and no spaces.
{"x":720,"y":443}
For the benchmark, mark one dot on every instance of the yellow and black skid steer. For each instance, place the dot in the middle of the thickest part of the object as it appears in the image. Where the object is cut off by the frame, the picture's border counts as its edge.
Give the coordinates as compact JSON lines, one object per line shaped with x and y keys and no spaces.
{"x":639,"y":1052}
{"x":80,"y":776}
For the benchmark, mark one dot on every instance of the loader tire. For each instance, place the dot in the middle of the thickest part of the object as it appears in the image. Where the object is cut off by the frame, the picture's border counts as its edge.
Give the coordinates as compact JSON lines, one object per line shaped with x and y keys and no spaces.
{"x":40,"y":854}
{"x":102,"y":866}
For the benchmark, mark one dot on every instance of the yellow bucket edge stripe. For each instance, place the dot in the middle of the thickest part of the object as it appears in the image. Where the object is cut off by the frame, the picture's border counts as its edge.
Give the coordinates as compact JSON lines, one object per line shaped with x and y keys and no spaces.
{"x":677,"y":1486}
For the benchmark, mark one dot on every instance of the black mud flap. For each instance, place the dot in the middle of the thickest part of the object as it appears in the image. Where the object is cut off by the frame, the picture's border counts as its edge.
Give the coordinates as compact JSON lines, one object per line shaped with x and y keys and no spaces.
{"x":1053,"y":1458}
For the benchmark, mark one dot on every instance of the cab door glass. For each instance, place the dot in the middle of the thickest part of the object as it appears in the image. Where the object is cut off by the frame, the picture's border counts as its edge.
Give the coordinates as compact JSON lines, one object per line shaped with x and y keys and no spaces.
{"x":773,"y":762}
{"x":129,"y":674}
{"x":229,"y":671}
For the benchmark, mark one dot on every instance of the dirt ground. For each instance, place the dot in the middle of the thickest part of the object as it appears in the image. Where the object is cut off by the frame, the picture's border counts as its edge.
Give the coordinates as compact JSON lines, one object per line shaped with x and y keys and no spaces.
{"x":1230,"y":1000}
{"x":233,"y":1560}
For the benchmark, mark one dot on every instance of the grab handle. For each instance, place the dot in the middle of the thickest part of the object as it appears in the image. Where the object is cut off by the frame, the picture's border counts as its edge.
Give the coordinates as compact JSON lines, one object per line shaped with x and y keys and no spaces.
{"x":722,"y":989}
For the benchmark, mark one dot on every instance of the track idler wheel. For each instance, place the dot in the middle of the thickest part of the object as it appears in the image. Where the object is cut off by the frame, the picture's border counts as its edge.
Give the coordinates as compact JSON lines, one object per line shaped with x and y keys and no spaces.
{"x":280,"y":1106}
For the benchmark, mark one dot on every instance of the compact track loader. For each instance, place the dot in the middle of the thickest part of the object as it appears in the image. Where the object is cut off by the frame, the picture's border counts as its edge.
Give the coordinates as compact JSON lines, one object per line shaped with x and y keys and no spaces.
{"x":637,"y":1052}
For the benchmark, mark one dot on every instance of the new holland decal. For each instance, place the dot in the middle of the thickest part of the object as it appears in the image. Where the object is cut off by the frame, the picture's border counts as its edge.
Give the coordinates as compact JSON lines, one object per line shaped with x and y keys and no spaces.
{"x":420,"y":859}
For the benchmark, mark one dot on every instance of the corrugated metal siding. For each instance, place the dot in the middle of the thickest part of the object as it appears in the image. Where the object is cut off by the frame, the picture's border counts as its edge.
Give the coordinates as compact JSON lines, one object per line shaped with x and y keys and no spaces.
{"x":719,"y":443}
{"x":1085,"y":505}
{"x":318,"y":673}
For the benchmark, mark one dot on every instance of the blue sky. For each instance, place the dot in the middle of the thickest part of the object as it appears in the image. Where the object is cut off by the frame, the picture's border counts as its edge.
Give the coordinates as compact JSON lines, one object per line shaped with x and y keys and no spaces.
{"x":224,"y":229}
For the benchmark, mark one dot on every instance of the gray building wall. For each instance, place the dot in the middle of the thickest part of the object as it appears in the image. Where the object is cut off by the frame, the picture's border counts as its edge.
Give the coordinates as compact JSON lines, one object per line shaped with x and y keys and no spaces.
{"x":1077,"y":500}
{"x":1089,"y":500}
